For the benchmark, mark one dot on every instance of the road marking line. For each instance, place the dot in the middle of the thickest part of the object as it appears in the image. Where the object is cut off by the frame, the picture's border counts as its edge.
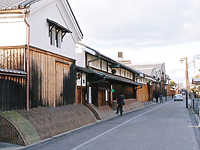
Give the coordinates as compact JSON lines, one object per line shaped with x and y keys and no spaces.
{"x":79,"y":146}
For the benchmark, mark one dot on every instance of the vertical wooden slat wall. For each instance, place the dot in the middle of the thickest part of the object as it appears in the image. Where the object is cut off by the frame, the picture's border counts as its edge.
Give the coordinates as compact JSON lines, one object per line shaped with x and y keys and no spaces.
{"x":12,"y":58}
{"x":49,"y":87}
{"x":127,"y":90}
{"x":52,"y":79}
{"x":12,"y":87}
{"x":142,"y":94}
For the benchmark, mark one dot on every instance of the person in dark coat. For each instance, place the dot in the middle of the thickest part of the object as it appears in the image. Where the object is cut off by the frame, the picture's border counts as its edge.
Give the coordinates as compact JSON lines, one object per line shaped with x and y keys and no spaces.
{"x":161,"y":98}
{"x":120,"y":103}
{"x":156,"y":96}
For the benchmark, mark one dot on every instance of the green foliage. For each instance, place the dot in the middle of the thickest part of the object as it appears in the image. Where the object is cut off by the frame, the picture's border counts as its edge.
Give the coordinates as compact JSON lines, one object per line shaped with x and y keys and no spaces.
{"x":197,"y":76}
{"x":172,"y":83}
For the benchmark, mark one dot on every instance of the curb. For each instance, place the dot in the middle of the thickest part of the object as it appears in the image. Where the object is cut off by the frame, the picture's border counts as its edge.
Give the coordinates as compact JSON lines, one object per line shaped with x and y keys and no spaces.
{"x":196,"y":117}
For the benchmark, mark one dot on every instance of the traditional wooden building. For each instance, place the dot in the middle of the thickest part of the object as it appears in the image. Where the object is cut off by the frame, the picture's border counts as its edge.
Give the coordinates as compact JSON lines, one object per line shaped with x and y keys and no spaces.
{"x":154,"y":81}
{"x":37,"y":54}
{"x":101,"y":79}
{"x":145,"y":93}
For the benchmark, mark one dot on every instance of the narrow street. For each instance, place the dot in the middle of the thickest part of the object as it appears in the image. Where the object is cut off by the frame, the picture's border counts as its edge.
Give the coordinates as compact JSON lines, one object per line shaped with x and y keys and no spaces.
{"x":163,"y":126}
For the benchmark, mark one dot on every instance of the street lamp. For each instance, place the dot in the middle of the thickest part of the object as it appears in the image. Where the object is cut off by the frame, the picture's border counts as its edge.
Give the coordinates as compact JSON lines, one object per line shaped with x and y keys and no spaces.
{"x":186,"y":78}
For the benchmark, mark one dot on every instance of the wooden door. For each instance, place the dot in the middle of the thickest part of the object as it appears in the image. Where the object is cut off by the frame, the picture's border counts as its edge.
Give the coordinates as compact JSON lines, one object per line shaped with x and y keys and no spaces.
{"x":101,"y":98}
{"x":59,"y":84}
{"x":62,"y":73}
{"x":78,"y":95}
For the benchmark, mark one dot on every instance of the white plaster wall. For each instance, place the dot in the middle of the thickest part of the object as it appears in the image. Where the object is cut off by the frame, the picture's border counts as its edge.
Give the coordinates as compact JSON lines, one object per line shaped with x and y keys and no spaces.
{"x":56,"y":11}
{"x":80,"y":59}
{"x":82,"y":79}
{"x":12,"y":31}
{"x":78,"y":81}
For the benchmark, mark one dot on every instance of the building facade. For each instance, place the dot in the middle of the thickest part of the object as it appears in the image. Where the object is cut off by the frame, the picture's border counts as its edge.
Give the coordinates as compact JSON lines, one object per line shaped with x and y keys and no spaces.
{"x":37,"y":54}
{"x":155,"y":80}
{"x":103,"y":79}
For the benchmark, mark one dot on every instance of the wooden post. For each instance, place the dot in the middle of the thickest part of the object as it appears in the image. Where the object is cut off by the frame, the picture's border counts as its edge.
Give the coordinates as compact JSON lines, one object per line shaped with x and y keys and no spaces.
{"x":111,"y":94}
{"x":27,"y":65}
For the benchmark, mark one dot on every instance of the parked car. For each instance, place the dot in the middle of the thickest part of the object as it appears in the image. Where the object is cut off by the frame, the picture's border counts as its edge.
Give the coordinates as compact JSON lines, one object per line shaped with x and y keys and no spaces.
{"x":178,"y":97}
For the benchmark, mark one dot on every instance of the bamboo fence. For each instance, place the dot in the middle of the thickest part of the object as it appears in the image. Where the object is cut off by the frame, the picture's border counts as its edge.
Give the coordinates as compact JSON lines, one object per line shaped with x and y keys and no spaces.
{"x":26,"y":127}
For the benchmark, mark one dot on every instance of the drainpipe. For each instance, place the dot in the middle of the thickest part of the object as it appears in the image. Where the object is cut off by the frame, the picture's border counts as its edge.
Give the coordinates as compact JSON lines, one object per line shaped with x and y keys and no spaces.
{"x":27,"y":62}
{"x":93,"y":60}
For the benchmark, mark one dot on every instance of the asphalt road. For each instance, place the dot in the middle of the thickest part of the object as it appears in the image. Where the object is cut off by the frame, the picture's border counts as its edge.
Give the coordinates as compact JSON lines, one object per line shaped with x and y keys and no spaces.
{"x":165,"y":126}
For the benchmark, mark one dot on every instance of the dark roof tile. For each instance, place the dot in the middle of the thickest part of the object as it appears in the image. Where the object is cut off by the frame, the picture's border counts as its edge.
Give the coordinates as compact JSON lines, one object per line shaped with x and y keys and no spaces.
{"x":15,"y":4}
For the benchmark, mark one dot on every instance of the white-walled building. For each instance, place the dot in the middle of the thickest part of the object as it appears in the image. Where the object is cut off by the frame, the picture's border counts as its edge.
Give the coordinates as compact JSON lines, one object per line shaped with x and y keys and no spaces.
{"x":53,"y":26}
{"x":37,"y":53}
{"x":102,"y":79}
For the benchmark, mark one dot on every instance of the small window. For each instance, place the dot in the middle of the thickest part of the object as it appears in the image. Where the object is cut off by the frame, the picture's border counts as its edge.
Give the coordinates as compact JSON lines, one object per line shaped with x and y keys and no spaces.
{"x":58,"y":39}
{"x":52,"y":36}
{"x":104,"y":65}
{"x":56,"y":33}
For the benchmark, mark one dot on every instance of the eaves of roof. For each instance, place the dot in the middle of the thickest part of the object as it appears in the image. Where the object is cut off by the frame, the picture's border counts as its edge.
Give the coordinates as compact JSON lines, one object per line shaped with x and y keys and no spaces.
{"x":9,"y":72}
{"x":120,"y":79}
{"x":85,"y":70}
{"x":150,"y":77}
{"x":110,"y":60}
{"x":74,"y":17}
{"x":107,"y":76}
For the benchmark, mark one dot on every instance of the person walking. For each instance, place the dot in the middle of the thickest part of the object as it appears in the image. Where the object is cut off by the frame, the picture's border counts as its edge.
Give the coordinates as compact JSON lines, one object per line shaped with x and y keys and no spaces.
{"x":161,"y":98}
{"x":156,"y":96}
{"x":120,"y":103}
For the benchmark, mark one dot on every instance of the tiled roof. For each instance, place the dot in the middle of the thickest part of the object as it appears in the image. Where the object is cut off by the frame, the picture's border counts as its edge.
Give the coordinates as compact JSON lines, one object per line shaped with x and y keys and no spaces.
{"x":146,"y":71}
{"x":15,"y":4}
{"x":157,"y":66}
{"x":145,"y":68}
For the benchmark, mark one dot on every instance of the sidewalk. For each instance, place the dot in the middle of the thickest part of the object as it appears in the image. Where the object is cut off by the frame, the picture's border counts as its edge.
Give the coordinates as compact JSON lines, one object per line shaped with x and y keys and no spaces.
{"x":196,"y":117}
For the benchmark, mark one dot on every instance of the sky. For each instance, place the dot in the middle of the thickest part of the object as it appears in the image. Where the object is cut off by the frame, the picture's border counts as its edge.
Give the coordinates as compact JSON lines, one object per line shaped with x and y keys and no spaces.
{"x":145,"y":31}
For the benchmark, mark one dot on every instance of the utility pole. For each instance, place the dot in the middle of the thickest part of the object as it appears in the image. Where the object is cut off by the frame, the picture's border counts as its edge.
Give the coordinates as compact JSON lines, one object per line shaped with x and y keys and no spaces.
{"x":186,"y":78}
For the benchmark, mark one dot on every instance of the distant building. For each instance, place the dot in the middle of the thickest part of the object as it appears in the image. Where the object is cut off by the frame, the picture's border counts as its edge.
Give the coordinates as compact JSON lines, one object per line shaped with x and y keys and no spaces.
{"x":154,"y":80}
